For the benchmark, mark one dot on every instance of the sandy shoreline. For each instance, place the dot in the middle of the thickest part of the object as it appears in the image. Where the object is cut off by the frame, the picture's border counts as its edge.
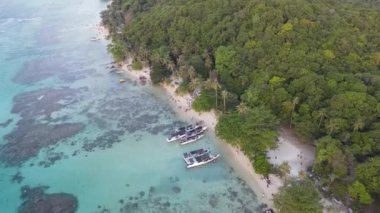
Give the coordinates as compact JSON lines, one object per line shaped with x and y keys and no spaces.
{"x":289,"y":148}
{"x":234,"y":155}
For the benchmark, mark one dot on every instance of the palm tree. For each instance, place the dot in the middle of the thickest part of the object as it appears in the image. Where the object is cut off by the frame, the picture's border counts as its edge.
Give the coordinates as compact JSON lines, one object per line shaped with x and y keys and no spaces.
{"x":358,"y":125}
{"x":284,"y":169}
{"x":208,"y":62}
{"x":295,"y":102}
{"x":191,"y":72}
{"x":322,"y":115}
{"x":242,"y":108}
{"x":332,"y":126}
{"x":183,"y":72}
{"x":195,"y":83}
{"x":171,"y":66}
{"x":213,"y":85}
{"x":224,"y":95}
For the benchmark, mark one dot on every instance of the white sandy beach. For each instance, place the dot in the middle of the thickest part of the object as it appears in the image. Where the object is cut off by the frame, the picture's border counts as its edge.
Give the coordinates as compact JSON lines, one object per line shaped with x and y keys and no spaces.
{"x":101,"y":32}
{"x":287,"y":150}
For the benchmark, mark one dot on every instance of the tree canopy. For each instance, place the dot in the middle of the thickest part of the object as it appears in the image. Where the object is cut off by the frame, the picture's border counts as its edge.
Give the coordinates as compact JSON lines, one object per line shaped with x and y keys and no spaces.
{"x":298,"y":196}
{"x":312,"y":65}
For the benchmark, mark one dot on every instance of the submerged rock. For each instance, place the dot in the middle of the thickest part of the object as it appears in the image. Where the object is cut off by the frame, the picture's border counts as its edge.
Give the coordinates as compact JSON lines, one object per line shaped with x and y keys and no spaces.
{"x":6,"y":123}
{"x":176,"y":189}
{"x":104,"y":141}
{"x":17,"y":178}
{"x":213,"y":201}
{"x":35,"y":200}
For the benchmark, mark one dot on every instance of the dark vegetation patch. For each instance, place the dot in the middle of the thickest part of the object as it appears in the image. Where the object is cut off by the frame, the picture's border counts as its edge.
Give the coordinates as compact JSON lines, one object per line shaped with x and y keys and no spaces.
{"x":35,"y":200}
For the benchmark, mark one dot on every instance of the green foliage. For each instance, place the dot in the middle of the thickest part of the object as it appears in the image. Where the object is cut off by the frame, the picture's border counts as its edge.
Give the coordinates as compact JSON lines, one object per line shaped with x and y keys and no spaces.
{"x":261,"y":164}
{"x":159,"y":73}
{"x":368,"y":174}
{"x":330,"y":158}
{"x":204,"y":102}
{"x":118,"y":50}
{"x":137,"y":65}
{"x":283,"y":169}
{"x":328,"y":54}
{"x":267,"y":54}
{"x":358,"y":191}
{"x":183,"y":88}
{"x":254,"y":131}
{"x":298,"y":196}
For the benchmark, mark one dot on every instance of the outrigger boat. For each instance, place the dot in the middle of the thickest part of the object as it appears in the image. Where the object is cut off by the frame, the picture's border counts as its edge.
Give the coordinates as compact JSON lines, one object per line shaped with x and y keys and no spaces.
{"x":190,"y":139}
{"x":195,"y":153}
{"x":189,"y":130}
{"x":194,"y":161}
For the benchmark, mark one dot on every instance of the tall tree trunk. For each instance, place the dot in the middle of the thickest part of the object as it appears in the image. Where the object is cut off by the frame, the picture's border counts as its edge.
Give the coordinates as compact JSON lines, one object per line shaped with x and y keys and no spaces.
{"x":320,"y":121}
{"x":216,"y":98}
{"x":224,"y":104}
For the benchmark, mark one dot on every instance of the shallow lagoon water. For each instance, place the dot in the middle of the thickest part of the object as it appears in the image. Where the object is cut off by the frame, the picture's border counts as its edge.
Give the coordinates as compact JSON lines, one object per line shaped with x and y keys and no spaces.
{"x":69,"y":125}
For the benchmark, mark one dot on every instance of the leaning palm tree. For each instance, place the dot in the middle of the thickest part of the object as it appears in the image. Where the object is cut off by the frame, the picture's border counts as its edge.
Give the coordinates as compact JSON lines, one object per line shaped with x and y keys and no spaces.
{"x":294,"y":103}
{"x":242,"y":108}
{"x":224,"y":95}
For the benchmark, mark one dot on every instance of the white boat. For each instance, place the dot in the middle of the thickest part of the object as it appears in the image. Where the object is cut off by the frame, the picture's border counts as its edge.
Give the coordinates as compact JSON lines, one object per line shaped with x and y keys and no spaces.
{"x":190,"y":139}
{"x":206,"y":158}
{"x":195,"y":153}
{"x":181,"y":132}
{"x":176,"y":135}
{"x":196,"y":131}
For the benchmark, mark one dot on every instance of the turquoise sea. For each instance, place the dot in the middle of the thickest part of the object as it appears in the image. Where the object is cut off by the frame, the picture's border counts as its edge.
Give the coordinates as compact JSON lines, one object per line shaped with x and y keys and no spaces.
{"x":70,"y":134}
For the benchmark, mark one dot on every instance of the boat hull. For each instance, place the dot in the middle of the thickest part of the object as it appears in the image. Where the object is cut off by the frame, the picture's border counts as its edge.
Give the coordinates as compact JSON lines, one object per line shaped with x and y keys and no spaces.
{"x":202,"y":163}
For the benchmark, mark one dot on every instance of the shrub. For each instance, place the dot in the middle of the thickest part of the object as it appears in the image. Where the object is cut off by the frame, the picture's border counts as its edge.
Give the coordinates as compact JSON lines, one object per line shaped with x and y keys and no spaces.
{"x":136,"y":64}
{"x":159,"y":73}
{"x":204,"y":102}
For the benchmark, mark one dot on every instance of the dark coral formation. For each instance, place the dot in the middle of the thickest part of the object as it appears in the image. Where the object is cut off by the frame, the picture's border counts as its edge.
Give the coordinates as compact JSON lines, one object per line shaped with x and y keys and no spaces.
{"x":44,"y":68}
{"x":105,"y":141}
{"x":17,"y":178}
{"x":26,"y":141}
{"x":51,"y":158}
{"x":38,"y":70}
{"x":43,"y":102}
{"x":6,"y":123}
{"x":132,"y":113}
{"x":31,"y":135}
{"x":35,"y":200}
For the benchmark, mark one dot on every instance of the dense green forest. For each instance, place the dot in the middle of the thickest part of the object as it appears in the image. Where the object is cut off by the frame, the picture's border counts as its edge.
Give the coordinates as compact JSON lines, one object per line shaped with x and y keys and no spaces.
{"x":310,"y":65}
